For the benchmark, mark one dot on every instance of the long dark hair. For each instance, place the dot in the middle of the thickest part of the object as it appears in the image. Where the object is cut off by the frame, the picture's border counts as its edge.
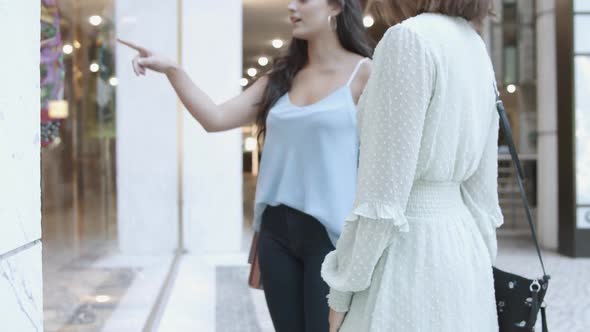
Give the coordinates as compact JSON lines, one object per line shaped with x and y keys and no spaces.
{"x":351,"y":34}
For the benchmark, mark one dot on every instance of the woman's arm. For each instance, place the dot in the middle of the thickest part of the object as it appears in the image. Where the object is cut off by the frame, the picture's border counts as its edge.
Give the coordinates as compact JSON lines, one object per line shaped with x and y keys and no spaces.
{"x":237,"y":112}
{"x":480,"y":191}
{"x":393,"y":111}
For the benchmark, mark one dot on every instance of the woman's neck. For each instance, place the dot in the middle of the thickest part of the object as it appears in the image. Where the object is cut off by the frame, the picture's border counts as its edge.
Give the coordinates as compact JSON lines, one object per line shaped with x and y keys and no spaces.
{"x":325,"y":51}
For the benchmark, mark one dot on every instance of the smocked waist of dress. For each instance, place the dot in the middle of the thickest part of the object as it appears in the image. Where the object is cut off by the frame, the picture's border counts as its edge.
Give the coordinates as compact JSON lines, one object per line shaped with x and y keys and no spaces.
{"x":430,"y":198}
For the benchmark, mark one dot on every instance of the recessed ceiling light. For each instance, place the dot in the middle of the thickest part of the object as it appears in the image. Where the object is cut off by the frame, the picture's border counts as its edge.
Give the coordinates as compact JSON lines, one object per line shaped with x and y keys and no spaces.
{"x":68,"y":49}
{"x":252,"y":72}
{"x":94,"y":67}
{"x":95,"y":20}
{"x":277,"y":43}
{"x":263,"y":61}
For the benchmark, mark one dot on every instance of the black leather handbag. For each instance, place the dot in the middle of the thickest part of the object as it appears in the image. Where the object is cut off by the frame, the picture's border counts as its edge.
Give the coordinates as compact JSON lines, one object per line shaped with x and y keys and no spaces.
{"x":519,"y":300}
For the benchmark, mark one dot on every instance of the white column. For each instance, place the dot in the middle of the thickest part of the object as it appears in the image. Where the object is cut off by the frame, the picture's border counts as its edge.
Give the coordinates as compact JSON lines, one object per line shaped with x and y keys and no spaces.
{"x":147,"y":127}
{"x":496,"y":41}
{"x":547,"y":175}
{"x":527,"y":94}
{"x":212,"y":167}
{"x":21,"y":303}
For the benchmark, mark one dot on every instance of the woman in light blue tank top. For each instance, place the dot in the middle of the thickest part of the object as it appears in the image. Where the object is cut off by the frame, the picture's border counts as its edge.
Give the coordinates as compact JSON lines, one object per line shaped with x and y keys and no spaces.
{"x":305,"y":108}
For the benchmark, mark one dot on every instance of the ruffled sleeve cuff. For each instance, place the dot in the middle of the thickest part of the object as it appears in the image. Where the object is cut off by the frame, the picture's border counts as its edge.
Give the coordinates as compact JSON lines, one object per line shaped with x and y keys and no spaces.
{"x":497,"y":219}
{"x":331,"y":275}
{"x":339,"y":301}
{"x":381,"y":211}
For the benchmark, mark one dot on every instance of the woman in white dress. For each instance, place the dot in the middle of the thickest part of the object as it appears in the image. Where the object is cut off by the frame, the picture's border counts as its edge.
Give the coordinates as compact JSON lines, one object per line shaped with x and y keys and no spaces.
{"x":417,"y":252}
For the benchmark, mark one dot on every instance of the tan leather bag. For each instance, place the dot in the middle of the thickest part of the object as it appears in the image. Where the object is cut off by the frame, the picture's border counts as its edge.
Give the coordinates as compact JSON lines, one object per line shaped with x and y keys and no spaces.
{"x":254,"y":279}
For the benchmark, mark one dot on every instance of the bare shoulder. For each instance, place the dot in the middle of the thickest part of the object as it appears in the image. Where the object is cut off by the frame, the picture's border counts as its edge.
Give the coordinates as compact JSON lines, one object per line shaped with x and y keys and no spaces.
{"x":365,"y":72}
{"x":362,"y":77}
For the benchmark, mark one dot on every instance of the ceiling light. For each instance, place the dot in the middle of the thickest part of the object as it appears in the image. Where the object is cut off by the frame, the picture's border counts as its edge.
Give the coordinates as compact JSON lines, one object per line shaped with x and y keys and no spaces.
{"x":263,"y":61}
{"x":511,"y":88}
{"x":94,"y":67}
{"x":244,"y":82}
{"x":368,"y":21}
{"x":95,"y":20}
{"x":252,"y":72}
{"x":277,"y":43}
{"x":68,"y":49}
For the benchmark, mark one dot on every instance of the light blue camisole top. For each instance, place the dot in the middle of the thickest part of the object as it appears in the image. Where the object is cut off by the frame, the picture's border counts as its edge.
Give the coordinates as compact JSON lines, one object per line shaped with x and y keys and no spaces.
{"x":310,"y":158}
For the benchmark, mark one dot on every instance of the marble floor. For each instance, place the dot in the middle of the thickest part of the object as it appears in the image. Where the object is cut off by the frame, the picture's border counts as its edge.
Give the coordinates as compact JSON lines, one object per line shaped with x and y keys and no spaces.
{"x":88,"y":284}
{"x":102,"y":291}
{"x":211,"y":293}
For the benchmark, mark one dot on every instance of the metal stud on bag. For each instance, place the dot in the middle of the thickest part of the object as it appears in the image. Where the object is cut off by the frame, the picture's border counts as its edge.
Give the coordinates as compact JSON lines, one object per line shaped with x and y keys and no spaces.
{"x":535,"y":286}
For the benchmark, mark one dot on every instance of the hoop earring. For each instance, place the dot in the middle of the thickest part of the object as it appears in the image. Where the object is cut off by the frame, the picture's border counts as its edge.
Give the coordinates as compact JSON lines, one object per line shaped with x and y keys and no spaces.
{"x":333,"y":23}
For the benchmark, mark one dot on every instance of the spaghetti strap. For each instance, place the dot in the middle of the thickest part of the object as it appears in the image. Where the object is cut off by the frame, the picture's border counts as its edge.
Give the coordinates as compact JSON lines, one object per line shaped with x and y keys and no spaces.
{"x":356,"y":69}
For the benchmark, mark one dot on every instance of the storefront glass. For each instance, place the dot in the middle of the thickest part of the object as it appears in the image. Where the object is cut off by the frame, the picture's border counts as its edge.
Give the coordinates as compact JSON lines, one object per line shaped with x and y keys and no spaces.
{"x":582,"y":110}
{"x":581,"y":6}
{"x":87,"y":280}
{"x":512,"y":36}
{"x":582,"y":78}
{"x":581,"y":28}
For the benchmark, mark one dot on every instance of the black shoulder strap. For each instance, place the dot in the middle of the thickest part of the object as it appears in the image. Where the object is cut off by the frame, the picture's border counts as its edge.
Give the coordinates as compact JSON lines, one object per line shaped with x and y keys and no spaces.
{"x":505,"y":125}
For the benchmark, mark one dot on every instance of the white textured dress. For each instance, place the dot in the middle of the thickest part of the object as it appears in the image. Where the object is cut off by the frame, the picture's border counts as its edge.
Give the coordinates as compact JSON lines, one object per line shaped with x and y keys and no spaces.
{"x":417,"y":252}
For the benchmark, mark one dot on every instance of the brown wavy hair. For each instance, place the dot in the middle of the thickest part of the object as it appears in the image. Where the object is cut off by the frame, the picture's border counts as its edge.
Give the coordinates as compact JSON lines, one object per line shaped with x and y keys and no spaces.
{"x":352,"y":36}
{"x":395,"y":11}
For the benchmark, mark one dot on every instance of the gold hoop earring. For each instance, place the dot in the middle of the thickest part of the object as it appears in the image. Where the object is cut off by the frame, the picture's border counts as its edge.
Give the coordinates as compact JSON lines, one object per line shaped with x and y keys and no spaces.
{"x":333,"y":23}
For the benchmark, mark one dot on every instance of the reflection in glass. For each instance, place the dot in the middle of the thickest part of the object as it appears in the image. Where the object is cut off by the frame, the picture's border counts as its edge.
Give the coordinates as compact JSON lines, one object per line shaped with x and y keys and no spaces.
{"x":581,"y":6}
{"x":583,"y":218}
{"x":582,"y":119}
{"x":86,"y":277}
{"x":78,"y":170}
{"x":581,"y":29}
{"x":510,"y":65}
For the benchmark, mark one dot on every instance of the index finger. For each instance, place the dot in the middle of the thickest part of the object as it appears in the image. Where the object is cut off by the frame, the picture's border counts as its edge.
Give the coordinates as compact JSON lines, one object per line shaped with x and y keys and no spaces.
{"x":133,"y":46}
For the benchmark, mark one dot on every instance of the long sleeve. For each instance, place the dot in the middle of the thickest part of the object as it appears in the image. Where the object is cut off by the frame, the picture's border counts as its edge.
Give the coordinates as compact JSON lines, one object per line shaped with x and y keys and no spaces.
{"x":480,"y":191}
{"x":392,"y":112}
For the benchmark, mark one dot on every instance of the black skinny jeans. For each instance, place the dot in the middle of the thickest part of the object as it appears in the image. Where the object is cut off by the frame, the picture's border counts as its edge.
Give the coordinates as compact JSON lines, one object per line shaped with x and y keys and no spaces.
{"x":291,"y":249}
